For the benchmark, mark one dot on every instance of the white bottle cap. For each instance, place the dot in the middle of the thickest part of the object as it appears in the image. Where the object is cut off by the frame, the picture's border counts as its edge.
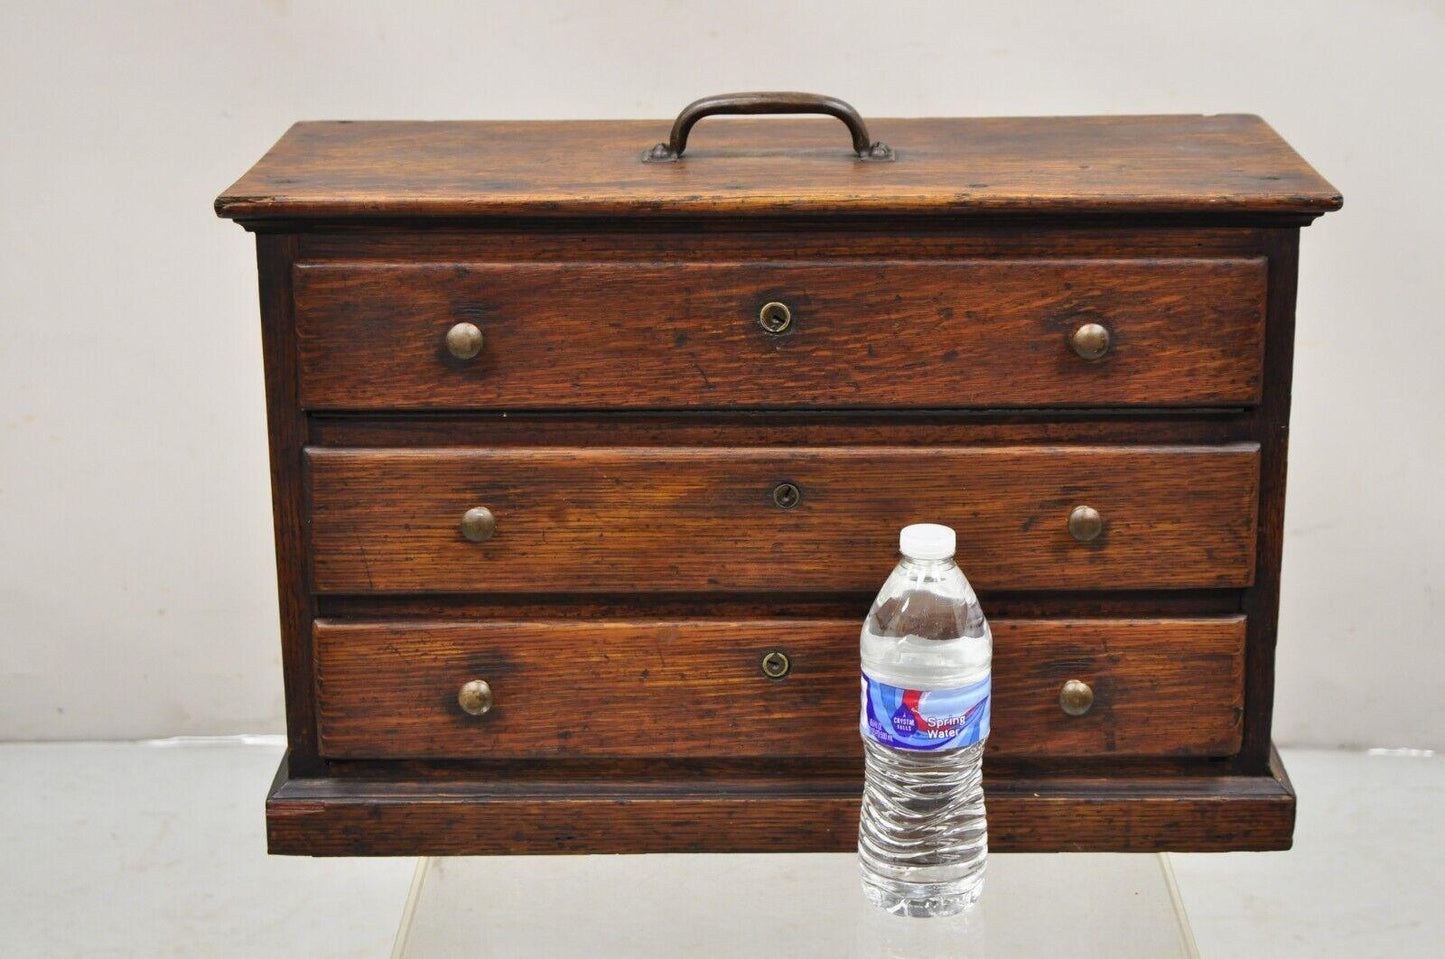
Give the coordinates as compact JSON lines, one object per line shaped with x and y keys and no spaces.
{"x":927,"y":541}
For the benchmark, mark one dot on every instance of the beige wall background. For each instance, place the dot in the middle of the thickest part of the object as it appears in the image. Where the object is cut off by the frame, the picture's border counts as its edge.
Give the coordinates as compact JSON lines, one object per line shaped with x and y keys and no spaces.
{"x":137,"y":596}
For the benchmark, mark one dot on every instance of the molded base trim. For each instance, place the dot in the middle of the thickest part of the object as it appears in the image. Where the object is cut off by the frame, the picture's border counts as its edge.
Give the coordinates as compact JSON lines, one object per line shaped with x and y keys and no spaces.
{"x":1061,"y":813}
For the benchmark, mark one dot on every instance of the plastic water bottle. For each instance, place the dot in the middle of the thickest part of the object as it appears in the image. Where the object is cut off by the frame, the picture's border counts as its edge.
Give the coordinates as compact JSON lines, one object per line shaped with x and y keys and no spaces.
{"x":927,"y":651}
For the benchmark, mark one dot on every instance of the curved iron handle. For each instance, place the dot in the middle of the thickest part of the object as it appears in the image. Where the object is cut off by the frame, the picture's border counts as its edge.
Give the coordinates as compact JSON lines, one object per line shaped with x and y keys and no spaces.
{"x":755,"y":103}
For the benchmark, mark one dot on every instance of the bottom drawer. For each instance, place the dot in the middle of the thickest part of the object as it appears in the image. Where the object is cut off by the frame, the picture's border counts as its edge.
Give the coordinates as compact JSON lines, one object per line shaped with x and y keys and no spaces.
{"x":1161,"y":687}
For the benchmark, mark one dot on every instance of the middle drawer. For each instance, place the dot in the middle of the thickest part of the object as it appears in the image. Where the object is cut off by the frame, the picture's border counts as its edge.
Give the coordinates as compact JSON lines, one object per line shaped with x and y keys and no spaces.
{"x":763,"y":519}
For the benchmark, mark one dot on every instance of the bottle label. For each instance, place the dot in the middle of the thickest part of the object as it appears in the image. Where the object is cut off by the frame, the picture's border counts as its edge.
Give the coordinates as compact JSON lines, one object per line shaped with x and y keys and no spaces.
{"x":930,"y":719}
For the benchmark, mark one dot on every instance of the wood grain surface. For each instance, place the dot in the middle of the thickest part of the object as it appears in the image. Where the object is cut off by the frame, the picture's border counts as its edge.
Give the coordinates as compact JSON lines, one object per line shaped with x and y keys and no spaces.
{"x":1208,"y":809}
{"x":287,"y":434}
{"x":691,"y":520}
{"x":1262,"y":602}
{"x":780,"y":240}
{"x":1222,"y":164}
{"x":580,"y":689}
{"x":785,"y":428}
{"x":881,"y":334}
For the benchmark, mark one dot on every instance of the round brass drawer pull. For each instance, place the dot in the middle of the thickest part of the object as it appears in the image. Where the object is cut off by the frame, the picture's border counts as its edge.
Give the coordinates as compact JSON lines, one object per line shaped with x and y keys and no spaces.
{"x":1085,"y":524}
{"x":464,"y":340}
{"x":1091,"y":341}
{"x":787,"y":495}
{"x":475,"y":697}
{"x":775,"y":317}
{"x":478,"y":524}
{"x":1076,"y":698}
{"x":775,"y":664}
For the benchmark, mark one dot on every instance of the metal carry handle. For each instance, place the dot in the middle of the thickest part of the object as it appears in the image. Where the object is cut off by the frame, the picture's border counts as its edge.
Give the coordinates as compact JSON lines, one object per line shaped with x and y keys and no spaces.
{"x":730,"y":104}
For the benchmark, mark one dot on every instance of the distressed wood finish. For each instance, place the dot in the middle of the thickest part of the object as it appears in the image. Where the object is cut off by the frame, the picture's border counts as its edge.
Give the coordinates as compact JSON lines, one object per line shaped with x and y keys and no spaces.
{"x":784,"y":240}
{"x":287,"y":431}
{"x":870,"y":334}
{"x":784,"y":428}
{"x":1124,"y":812}
{"x":695,"y":688}
{"x":780,"y":604}
{"x":748,"y":168}
{"x":627,"y":420}
{"x":704,"y":520}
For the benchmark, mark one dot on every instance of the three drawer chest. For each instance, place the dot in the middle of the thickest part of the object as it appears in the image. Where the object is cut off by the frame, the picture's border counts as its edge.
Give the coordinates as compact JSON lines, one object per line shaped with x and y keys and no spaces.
{"x":590,"y":443}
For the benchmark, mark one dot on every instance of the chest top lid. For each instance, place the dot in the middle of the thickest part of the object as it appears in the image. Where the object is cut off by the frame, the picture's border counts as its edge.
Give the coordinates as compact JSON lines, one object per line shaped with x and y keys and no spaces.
{"x":1228,"y":165}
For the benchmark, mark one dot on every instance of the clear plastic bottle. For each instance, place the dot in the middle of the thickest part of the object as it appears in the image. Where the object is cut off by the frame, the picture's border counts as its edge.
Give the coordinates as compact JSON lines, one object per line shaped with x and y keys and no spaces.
{"x":927,"y":652}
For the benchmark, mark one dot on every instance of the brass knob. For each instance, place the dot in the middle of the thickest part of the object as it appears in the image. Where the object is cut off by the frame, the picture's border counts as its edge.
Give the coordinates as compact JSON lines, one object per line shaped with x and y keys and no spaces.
{"x":1076,"y":698}
{"x":787,"y":495}
{"x":464,"y":341}
{"x":775,"y":664}
{"x":478,"y":524}
{"x":475,"y":697}
{"x":1085,"y":524}
{"x":775,"y":317}
{"x":1091,"y":341}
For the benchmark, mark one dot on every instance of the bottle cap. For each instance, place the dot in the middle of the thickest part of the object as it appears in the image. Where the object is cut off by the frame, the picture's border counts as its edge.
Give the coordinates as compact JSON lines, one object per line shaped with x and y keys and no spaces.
{"x":927,"y":541}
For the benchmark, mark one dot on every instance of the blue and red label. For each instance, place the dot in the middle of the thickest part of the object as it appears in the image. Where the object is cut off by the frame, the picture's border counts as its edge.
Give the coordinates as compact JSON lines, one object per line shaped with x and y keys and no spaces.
{"x":930,"y":719}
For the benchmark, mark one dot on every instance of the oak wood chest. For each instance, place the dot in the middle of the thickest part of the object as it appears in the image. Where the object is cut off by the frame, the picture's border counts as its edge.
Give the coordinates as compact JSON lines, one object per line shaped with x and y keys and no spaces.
{"x":588,"y":456}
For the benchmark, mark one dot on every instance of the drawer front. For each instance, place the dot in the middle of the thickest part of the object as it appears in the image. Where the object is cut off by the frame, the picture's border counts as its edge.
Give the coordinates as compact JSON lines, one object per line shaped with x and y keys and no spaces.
{"x":697,"y":689}
{"x":808,"y":519}
{"x":994,"y":333}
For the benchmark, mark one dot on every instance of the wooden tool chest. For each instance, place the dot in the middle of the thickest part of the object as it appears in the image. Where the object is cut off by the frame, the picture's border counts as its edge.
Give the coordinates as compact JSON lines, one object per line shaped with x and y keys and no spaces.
{"x":588,"y":457}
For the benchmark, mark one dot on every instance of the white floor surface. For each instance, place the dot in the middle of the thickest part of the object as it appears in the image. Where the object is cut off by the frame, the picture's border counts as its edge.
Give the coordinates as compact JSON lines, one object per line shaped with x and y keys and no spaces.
{"x":113,"y":849}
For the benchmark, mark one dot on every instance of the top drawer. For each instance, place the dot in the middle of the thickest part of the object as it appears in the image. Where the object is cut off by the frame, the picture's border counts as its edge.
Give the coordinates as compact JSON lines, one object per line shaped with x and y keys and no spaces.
{"x":849,"y":334}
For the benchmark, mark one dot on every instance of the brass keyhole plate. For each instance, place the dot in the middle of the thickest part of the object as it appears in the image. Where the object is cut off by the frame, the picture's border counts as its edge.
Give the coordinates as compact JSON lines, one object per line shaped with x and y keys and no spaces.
{"x":787,"y":495}
{"x":775,"y":664}
{"x":775,"y":317}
